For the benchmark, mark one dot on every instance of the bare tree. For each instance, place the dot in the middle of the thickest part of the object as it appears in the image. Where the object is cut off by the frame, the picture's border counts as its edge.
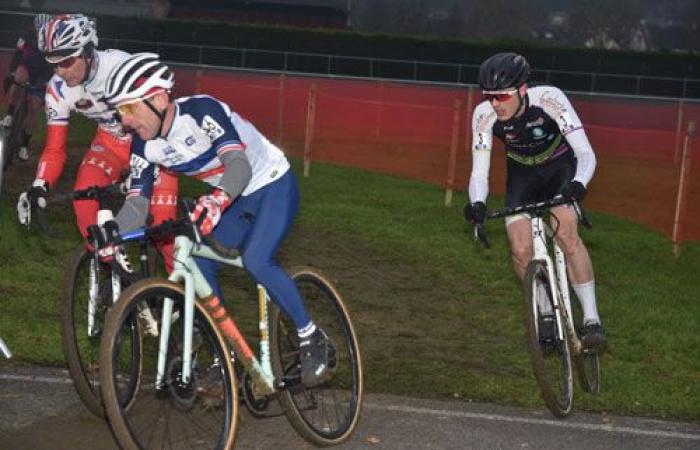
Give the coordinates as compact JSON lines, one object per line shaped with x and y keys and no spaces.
{"x":497,"y":19}
{"x":605,"y":23}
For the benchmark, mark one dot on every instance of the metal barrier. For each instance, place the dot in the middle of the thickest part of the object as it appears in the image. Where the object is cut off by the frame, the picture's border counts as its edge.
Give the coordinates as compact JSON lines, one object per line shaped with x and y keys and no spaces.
{"x":388,"y":69}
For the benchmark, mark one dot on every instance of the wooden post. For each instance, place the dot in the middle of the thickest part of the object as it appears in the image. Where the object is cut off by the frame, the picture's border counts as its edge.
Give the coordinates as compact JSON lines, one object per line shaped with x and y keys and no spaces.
{"x":682,"y":188}
{"x":452,"y":162}
{"x":198,"y":81}
{"x":468,"y":135}
{"x":310,"y":119}
{"x":679,"y":133}
{"x":280,"y":109}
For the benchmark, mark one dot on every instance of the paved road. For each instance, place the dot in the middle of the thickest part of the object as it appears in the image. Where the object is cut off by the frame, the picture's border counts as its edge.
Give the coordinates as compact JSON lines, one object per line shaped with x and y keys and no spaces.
{"x":40,"y":411}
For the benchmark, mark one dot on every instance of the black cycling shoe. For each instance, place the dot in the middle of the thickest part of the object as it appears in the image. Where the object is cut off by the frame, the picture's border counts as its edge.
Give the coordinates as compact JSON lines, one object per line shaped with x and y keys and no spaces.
{"x":318,"y":359}
{"x":548,"y":333}
{"x":594,"y":337}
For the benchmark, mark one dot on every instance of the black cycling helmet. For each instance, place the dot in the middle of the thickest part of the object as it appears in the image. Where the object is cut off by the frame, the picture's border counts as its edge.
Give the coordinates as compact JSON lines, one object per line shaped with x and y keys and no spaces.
{"x":503,"y":71}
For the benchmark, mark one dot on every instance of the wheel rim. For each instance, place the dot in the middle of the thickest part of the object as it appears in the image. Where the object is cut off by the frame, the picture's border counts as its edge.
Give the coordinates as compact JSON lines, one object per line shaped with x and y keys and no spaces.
{"x":551,"y":363}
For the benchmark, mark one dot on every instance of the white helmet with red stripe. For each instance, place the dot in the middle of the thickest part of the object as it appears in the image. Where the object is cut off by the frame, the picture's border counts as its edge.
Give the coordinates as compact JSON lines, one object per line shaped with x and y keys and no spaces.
{"x":67,"y":35}
{"x":139,"y":76}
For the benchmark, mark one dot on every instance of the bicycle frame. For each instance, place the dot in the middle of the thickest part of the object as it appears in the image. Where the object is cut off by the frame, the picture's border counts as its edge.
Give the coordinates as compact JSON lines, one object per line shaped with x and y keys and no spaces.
{"x":187,"y":272}
{"x":557,"y":271}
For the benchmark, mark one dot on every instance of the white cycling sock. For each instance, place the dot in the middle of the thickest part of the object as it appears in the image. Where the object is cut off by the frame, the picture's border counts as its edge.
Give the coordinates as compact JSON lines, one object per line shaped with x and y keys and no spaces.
{"x":586,"y":296}
{"x":307,"y":331}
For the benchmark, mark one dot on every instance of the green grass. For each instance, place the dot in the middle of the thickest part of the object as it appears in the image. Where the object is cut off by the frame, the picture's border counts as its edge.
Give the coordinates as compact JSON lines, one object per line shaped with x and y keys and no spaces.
{"x":438,"y":315}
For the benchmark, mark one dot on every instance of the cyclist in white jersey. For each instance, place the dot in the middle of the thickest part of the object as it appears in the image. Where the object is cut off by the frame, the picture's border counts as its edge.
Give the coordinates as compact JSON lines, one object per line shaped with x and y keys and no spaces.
{"x":69,"y":44}
{"x":547,"y":153}
{"x":255,"y":196}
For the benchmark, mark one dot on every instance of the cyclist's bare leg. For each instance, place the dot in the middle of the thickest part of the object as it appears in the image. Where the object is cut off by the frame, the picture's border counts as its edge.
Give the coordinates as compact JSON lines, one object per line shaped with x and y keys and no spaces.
{"x":579,"y":266}
{"x":13,"y":95}
{"x":577,"y":259}
{"x":520,"y":236}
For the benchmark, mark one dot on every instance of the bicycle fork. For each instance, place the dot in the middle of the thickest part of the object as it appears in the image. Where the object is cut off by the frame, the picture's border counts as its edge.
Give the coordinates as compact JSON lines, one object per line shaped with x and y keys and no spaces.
{"x":540,"y":253}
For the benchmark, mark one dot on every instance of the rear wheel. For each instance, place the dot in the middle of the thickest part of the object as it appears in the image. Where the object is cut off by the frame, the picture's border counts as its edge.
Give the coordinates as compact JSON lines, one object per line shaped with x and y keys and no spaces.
{"x":550,"y":355}
{"x":201,"y":412}
{"x":325,"y":414}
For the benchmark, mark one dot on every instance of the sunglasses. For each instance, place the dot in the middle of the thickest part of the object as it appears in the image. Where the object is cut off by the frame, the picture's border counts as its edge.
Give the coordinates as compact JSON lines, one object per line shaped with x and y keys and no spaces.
{"x":126,"y":109}
{"x":499,"y":96}
{"x":65,"y":63}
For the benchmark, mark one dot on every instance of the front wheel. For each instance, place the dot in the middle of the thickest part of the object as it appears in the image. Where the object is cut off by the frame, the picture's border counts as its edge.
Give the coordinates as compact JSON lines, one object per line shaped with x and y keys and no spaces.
{"x":547,"y":340}
{"x":587,"y":365}
{"x":87,"y":295}
{"x":170,"y":411}
{"x":326,"y":414}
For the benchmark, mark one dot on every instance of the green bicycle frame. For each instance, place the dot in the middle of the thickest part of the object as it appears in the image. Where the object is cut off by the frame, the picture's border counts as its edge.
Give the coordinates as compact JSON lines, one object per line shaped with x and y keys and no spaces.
{"x":197,"y":288}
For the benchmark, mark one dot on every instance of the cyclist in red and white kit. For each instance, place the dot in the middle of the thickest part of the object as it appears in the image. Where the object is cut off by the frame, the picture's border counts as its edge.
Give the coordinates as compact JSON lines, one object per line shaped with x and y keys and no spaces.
{"x":548,"y":154}
{"x":69,"y":44}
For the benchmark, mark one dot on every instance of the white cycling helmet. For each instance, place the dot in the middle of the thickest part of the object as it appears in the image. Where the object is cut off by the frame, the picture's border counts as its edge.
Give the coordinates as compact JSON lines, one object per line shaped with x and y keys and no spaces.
{"x":65,"y":36}
{"x":137,"y":77}
{"x":40,"y":20}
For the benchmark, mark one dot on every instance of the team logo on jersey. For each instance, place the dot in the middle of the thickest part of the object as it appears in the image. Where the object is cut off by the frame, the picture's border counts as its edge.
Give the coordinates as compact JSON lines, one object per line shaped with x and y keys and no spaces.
{"x":138,"y":165}
{"x":83,"y":103}
{"x":51,"y":113}
{"x":538,"y":133}
{"x":480,"y":142}
{"x":190,"y":140}
{"x":212,"y":128}
{"x":535,"y":123}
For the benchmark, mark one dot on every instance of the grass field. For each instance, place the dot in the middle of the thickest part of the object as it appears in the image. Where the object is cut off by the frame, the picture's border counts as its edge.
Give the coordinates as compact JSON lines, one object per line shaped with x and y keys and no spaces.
{"x":438,"y":316}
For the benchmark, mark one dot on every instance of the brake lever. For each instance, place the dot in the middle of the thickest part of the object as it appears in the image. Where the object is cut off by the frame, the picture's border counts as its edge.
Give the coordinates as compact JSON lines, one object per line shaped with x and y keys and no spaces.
{"x":480,"y":234}
{"x":582,"y":217}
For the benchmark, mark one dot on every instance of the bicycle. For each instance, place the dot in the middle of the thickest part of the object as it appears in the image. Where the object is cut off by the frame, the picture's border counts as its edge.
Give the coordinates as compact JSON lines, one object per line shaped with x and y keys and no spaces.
{"x":546,"y":276}
{"x":188,"y":391}
{"x":90,"y":287}
{"x":13,"y":136}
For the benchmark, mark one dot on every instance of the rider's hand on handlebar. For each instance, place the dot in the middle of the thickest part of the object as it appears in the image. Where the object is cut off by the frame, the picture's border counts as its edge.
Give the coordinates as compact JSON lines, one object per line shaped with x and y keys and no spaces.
{"x":214,"y":204}
{"x":35,"y":195}
{"x":475,"y":213}
{"x":574,"y":190}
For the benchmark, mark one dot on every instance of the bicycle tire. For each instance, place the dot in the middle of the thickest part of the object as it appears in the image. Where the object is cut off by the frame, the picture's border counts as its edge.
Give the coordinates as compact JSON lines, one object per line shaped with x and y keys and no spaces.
{"x":587,"y":365}
{"x":302,"y":405}
{"x":80,"y":349}
{"x":557,"y":390}
{"x":164,"y":413}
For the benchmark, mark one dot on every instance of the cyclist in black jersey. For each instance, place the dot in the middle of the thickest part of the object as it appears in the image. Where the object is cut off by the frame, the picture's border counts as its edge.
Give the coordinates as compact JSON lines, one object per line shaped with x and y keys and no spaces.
{"x":28,"y":65}
{"x":547,"y":153}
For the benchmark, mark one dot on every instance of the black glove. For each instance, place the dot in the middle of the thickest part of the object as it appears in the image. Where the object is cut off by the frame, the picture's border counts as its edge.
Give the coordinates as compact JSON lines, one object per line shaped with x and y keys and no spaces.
{"x":7,"y":82}
{"x":574,"y":190}
{"x":475,"y":212}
